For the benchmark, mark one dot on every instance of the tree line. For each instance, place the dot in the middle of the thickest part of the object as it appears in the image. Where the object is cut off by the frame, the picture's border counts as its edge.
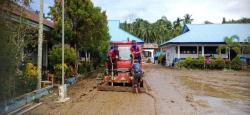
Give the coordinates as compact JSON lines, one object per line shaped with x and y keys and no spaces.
{"x":157,"y":32}
{"x":163,"y":30}
{"x":241,"y":20}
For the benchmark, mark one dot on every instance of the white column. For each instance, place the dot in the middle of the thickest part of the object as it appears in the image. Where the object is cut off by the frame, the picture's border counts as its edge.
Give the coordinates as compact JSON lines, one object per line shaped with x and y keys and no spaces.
{"x":197,"y":49}
{"x":89,"y":57}
{"x":86,"y":56}
{"x":152,"y":56}
{"x":202,"y":48}
{"x":178,"y":52}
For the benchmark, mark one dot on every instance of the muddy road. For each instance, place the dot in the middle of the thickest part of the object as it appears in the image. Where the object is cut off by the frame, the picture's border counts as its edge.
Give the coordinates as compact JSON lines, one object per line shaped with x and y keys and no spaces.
{"x":167,"y":96}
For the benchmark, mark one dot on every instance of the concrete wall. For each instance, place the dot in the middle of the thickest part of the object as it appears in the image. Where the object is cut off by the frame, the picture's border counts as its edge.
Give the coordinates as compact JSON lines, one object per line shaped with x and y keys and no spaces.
{"x":152,"y":54}
{"x":17,"y":102}
{"x":170,"y":55}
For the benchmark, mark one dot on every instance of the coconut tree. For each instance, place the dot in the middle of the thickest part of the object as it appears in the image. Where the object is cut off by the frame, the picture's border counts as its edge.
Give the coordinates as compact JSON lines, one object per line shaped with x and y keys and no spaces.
{"x":231,"y":43}
{"x":177,"y":27}
{"x":161,"y":29}
{"x":187,"y":19}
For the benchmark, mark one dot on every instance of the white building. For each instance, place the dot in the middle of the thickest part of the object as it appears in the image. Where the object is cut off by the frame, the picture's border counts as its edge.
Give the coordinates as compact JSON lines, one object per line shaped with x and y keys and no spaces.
{"x":202,"y":40}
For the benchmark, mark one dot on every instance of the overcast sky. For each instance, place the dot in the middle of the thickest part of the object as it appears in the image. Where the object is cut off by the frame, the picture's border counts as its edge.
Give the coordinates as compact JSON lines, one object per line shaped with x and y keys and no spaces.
{"x":151,"y":10}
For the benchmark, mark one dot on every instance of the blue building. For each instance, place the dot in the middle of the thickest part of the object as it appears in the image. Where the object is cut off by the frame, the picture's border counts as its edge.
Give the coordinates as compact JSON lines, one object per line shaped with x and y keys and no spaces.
{"x":203,"y":40}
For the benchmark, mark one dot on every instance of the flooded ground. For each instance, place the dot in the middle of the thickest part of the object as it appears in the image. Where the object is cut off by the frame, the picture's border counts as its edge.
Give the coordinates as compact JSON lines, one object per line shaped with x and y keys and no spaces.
{"x":227,"y":92}
{"x":86,"y":100}
{"x":173,"y":92}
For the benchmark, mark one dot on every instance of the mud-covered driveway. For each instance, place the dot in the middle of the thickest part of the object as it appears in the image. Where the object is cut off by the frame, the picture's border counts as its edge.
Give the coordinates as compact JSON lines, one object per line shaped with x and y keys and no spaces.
{"x":170,"y":99}
{"x":166,"y":97}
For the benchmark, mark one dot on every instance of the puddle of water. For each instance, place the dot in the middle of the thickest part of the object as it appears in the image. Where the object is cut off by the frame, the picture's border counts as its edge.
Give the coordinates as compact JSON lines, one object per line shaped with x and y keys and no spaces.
{"x":225,"y":106}
{"x":222,"y":99}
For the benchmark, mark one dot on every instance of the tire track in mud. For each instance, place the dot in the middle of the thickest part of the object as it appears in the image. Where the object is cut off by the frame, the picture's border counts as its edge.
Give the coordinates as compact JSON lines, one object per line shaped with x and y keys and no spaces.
{"x":85,"y":99}
{"x":167,"y":98}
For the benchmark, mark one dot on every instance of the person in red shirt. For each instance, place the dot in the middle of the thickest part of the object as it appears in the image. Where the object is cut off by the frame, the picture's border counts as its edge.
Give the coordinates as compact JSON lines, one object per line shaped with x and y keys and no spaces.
{"x":135,"y":51}
{"x":112,"y":55}
{"x":207,"y":62}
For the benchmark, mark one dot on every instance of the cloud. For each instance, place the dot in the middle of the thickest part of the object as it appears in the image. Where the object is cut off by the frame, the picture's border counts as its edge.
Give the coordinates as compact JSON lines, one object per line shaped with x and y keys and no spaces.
{"x":201,"y":10}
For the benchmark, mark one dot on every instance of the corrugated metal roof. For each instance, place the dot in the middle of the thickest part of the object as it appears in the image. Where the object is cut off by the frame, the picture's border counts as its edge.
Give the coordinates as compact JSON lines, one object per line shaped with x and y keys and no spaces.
{"x":211,"y":33}
{"x":150,"y":46}
{"x":117,"y":34}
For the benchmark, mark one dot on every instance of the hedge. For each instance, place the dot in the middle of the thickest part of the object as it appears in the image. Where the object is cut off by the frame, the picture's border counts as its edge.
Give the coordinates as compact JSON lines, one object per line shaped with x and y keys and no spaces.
{"x":216,"y":63}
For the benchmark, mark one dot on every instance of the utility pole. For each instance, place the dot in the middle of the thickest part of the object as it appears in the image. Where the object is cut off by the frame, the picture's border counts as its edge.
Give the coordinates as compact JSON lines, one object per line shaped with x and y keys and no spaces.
{"x":63,"y":87}
{"x":40,"y":45}
{"x":63,"y":42}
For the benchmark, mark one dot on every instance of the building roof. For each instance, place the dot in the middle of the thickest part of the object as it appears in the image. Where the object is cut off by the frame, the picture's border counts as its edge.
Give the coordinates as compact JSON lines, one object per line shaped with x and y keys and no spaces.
{"x":210,"y":33}
{"x":119,"y":35}
{"x":15,"y":9}
{"x":150,"y":46}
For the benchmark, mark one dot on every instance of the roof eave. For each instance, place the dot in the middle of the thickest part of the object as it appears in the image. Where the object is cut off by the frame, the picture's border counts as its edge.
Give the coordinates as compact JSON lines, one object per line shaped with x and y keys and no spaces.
{"x":177,"y":43}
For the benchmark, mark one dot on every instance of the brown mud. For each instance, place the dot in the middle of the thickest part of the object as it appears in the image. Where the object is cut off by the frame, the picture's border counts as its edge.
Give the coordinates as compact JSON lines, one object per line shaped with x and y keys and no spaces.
{"x":172,"y":92}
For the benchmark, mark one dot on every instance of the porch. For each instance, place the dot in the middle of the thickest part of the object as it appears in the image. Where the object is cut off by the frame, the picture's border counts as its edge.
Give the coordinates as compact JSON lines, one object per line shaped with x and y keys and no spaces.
{"x":194,"y":51}
{"x":182,"y":51}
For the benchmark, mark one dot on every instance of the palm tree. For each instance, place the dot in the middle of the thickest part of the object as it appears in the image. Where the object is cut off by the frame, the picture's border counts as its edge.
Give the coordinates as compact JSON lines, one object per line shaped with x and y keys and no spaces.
{"x":161,"y":29}
{"x":177,"y":21}
{"x":187,"y":19}
{"x":176,"y":30}
{"x":232,"y":43}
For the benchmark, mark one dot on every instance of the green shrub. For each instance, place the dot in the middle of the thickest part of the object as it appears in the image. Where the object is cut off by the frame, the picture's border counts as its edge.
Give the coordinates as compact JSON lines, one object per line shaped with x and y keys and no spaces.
{"x":220,"y":63}
{"x":90,"y":67}
{"x":213,"y":63}
{"x":180,"y":64}
{"x":236,"y":63}
{"x":227,"y":63}
{"x":200,"y":62}
{"x":195,"y":63}
{"x":82,"y":69}
{"x":25,"y":84}
{"x":191,"y":63}
{"x":58,"y":70}
{"x":188,"y":62}
{"x":55,"y":55}
{"x":85,"y":67}
{"x":26,"y":79}
{"x":161,"y":58}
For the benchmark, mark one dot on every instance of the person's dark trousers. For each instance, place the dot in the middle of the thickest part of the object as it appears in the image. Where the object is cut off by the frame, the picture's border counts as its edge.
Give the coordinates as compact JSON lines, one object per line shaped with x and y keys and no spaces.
{"x":110,"y":65}
{"x":138,"y":58}
{"x":137,"y":78}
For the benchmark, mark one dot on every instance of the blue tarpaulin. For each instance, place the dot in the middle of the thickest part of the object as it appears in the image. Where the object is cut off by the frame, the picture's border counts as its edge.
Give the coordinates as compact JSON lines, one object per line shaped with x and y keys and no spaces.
{"x":157,"y":54}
